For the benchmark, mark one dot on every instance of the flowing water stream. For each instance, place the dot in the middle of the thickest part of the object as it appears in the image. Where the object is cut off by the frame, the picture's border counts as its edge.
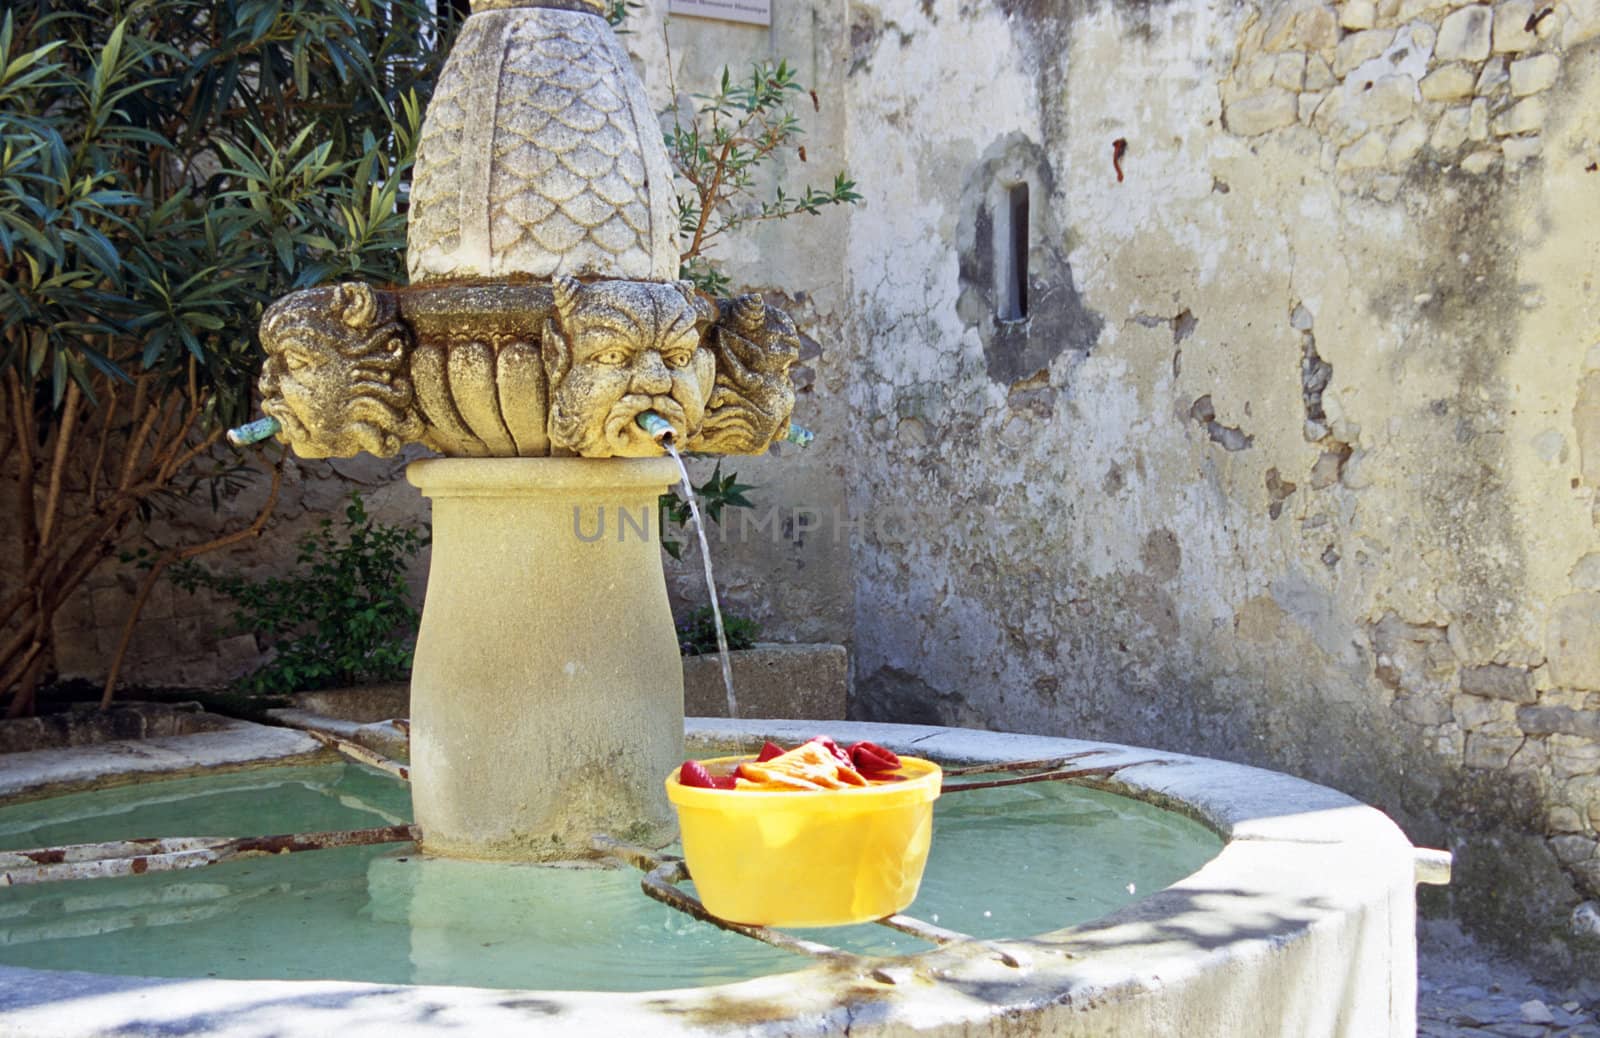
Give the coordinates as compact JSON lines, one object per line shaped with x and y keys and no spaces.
{"x":711,"y":581}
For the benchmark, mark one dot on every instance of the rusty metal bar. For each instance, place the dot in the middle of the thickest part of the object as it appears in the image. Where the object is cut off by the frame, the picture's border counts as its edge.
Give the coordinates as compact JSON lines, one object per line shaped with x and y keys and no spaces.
{"x":639,"y":857}
{"x":659,"y":882}
{"x":361,"y":755}
{"x":937,"y":935}
{"x":137,"y":857}
{"x":1047,"y":776}
{"x":1022,"y":765}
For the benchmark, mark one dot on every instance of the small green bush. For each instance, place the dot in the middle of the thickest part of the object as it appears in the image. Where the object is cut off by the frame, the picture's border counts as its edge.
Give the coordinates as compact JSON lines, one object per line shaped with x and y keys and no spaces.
{"x":697,"y":632}
{"x":344,"y":619}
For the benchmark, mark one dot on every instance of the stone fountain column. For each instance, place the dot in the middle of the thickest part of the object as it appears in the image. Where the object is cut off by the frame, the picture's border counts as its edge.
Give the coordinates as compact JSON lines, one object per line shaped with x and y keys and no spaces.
{"x":541,"y":322}
{"x":547,"y":695}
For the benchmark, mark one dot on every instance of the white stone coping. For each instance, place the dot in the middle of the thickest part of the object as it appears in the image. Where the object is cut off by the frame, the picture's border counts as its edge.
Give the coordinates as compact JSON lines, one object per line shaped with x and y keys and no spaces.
{"x":1304,"y":924}
{"x":234,"y":745}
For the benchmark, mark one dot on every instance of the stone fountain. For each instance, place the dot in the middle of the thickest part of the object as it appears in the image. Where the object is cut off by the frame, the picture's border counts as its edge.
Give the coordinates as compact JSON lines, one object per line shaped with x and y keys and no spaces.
{"x":546,"y":700}
{"x":542,"y":321}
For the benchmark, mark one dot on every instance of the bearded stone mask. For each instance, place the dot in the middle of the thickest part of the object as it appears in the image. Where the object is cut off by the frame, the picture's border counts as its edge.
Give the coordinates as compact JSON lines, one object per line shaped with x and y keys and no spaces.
{"x":336,"y":373}
{"x":616,"y":349}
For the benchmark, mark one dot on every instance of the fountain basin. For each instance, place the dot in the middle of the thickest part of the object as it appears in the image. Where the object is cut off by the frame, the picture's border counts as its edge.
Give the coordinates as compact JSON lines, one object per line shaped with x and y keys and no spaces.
{"x":1304,"y":923}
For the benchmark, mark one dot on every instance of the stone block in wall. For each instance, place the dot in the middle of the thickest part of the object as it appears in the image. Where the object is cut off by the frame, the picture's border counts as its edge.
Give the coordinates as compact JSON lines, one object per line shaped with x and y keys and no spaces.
{"x":1554,"y":720}
{"x":238,"y":654}
{"x":1572,"y":849}
{"x":1450,"y":132}
{"x":154,"y":639}
{"x":1478,"y":125}
{"x":1583,"y":795}
{"x":1452,"y":82}
{"x":1414,"y":658}
{"x":200,"y":672}
{"x":1426,"y":709}
{"x":1319,"y":74}
{"x":1392,"y":99}
{"x":1514,"y":684}
{"x":1407,"y":141}
{"x":1493,"y":76}
{"x":1411,"y":10}
{"x":1573,"y":641}
{"x":1562,"y":819}
{"x":158,"y":606}
{"x":1301,"y":26}
{"x":1588,"y":873}
{"x":1366,"y":153}
{"x":1571,"y":756}
{"x":1491,"y":752}
{"x":1473,"y":712}
{"x":194,"y":634}
{"x":1511,"y":32}
{"x":1358,"y":14}
{"x":1532,"y":758}
{"x":1526,"y":116}
{"x":1257,"y":73}
{"x":1289,"y":72}
{"x":1271,"y":109}
{"x":1464,"y":35}
{"x":1358,"y":48}
{"x":1531,"y":75}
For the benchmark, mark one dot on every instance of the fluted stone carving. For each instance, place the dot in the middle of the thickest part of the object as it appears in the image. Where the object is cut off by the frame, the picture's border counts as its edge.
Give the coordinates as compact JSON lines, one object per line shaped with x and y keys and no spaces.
{"x":525,"y":370}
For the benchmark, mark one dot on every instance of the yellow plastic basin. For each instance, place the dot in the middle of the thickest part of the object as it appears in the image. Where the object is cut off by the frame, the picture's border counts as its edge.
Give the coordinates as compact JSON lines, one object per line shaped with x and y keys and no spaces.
{"x":824,"y":858}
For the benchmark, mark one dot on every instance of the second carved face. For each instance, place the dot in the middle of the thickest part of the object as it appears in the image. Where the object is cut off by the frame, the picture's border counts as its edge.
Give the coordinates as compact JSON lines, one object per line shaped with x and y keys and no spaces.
{"x":616,"y":349}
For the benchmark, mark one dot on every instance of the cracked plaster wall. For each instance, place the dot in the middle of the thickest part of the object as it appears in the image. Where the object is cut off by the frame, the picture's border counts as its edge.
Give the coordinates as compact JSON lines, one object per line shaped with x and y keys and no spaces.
{"x":1319,"y":494}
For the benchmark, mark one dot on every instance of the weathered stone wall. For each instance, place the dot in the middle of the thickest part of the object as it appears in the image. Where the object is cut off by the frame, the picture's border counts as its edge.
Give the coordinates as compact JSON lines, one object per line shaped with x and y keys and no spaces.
{"x":1301,"y":469}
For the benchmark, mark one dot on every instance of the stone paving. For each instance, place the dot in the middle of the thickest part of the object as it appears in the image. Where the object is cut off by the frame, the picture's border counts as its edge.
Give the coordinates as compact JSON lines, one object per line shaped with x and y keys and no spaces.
{"x":1465,"y":991}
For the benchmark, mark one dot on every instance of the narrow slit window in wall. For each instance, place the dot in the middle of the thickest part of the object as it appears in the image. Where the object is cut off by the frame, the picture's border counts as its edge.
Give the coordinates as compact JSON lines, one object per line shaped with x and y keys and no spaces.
{"x":1011,"y":254}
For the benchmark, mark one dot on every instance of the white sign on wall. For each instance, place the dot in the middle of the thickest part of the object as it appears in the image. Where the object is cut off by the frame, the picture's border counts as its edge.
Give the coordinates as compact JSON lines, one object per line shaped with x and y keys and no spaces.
{"x":751,"y":12}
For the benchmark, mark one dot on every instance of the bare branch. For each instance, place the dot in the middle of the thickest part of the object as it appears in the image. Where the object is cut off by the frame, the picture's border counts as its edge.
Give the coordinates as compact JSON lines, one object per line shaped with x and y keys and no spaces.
{"x":58,"y":464}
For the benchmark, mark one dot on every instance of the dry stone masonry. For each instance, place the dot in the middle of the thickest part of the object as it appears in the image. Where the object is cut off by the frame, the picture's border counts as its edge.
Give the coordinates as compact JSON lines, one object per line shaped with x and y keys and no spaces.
{"x":1389,"y":83}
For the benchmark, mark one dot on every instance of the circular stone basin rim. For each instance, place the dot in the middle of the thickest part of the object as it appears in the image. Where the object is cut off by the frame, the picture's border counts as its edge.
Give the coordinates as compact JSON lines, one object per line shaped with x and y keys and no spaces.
{"x":1303,"y":923}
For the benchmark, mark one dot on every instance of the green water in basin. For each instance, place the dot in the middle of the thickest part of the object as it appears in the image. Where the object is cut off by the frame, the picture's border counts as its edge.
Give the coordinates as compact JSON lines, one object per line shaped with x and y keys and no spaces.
{"x":1005,"y":862}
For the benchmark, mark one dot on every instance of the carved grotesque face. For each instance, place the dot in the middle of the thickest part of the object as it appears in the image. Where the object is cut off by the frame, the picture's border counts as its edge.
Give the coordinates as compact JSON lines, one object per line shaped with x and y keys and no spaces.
{"x":756,"y":345}
{"x":616,"y":349}
{"x":335,"y":376}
